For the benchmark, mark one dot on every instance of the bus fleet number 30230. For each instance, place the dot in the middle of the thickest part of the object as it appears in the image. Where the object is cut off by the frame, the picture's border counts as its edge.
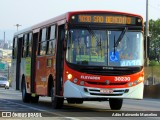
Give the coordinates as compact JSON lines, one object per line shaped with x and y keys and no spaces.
{"x":124,"y":79}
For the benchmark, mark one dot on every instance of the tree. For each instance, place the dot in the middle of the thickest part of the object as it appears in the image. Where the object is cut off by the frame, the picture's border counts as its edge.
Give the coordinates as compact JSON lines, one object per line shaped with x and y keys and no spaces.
{"x":154,"y":46}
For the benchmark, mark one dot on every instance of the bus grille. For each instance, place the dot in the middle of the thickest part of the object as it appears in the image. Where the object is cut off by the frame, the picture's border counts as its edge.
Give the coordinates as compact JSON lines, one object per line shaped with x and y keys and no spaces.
{"x":106,"y":94}
{"x":96,"y":91}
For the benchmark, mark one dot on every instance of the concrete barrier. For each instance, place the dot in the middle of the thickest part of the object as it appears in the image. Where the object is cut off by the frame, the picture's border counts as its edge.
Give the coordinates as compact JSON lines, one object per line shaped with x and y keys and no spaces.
{"x":152,"y":91}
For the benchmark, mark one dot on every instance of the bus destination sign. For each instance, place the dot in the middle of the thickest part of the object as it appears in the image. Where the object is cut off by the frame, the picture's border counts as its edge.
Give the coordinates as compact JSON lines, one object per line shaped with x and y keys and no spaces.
{"x":105,"y":19}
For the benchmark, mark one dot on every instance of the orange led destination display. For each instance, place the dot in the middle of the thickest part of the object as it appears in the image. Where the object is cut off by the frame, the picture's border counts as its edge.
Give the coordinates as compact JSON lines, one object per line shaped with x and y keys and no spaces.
{"x":109,"y":19}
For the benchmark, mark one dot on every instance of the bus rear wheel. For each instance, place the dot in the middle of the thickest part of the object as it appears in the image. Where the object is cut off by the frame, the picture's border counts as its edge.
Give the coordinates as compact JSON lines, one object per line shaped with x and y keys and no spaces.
{"x":57,"y":102}
{"x":25,"y":96}
{"x":115,"y":104}
{"x":35,"y":99}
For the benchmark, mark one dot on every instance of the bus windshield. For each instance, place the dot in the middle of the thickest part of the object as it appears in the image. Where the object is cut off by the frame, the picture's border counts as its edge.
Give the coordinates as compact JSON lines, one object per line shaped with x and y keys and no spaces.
{"x":105,"y":47}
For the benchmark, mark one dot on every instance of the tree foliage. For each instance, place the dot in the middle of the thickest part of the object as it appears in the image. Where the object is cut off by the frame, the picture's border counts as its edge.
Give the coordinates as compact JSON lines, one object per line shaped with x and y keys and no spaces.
{"x":154,"y":46}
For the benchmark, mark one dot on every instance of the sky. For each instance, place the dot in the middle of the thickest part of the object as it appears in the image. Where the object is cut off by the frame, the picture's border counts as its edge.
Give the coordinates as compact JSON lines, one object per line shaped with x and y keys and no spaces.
{"x":30,"y":12}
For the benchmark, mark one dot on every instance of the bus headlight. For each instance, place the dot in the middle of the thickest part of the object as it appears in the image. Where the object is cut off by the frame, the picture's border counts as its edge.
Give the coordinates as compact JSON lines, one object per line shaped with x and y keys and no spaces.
{"x":69,"y":76}
{"x":140,"y":79}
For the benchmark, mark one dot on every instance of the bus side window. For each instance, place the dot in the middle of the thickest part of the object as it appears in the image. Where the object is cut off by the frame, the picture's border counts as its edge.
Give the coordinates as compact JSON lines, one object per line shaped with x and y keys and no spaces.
{"x":51,"y":39}
{"x":30,"y":44}
{"x":27,"y":45}
{"x":42,"y":42}
{"x":24,"y":47}
{"x":14,"y":53}
{"x":22,"y":54}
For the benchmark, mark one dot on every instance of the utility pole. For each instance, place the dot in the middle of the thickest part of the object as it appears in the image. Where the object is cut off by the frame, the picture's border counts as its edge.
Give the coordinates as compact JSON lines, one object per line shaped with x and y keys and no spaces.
{"x":18,"y":25}
{"x":147,"y":34}
{"x":147,"y":21}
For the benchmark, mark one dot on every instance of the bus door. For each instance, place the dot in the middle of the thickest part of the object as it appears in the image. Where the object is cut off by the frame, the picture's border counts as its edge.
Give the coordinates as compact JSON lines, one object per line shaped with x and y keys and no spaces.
{"x":33,"y":60}
{"x":18,"y":61}
{"x":59,"y":60}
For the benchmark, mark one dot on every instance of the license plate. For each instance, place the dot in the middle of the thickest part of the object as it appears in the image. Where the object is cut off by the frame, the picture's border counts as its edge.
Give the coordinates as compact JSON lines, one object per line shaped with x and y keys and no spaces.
{"x":106,"y":91}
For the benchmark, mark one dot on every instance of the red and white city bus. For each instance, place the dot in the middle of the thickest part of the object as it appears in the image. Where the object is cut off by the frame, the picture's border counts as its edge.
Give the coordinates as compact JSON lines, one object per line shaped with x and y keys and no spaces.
{"x":81,"y":56}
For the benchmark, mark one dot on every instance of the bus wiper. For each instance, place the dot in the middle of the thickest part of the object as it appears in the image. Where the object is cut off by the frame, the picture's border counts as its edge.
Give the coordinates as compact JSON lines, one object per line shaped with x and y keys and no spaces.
{"x":121,"y":36}
{"x":100,"y":45}
{"x":92,"y":33}
{"x":114,"y":45}
{"x":99,"y":41}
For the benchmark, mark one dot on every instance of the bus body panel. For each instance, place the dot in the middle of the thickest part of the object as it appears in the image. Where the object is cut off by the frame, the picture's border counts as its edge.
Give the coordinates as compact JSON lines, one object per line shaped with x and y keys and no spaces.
{"x":41,"y":76}
{"x":22,"y":71}
{"x":27,"y":75}
{"x":45,"y":68}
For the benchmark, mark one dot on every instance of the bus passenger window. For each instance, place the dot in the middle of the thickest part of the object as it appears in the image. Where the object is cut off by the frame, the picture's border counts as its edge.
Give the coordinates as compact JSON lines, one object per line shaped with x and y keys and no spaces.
{"x":43,"y":48}
{"x":42,"y":42}
{"x":53,"y":32}
{"x":22,"y":54}
{"x":30,"y":44}
{"x":14,"y":54}
{"x":51,"y":42}
{"x":51,"y":47}
{"x":25,"y":46}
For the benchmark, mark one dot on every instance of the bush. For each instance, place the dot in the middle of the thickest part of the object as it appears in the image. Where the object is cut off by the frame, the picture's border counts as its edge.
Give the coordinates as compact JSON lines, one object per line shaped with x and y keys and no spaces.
{"x":153,"y":63}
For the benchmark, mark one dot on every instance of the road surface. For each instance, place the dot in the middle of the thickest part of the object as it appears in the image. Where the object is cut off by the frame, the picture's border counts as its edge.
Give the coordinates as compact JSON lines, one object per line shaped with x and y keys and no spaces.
{"x":12,"y":105}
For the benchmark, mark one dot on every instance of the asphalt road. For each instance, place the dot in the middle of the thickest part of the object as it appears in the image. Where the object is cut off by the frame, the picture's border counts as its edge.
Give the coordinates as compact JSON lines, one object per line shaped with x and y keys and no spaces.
{"x":12,"y":107}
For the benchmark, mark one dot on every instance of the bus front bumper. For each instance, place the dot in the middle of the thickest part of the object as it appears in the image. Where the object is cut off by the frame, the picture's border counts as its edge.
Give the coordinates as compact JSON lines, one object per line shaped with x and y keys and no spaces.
{"x":72,"y":90}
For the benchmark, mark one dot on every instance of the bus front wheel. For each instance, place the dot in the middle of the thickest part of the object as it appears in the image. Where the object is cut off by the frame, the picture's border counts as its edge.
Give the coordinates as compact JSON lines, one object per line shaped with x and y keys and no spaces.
{"x":57,"y":102}
{"x":115,"y":103}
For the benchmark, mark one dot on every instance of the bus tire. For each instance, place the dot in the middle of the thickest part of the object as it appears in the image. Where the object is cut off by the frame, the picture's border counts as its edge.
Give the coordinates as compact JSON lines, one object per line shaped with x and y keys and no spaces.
{"x":71,"y":101}
{"x":57,"y":102}
{"x":25,"y":96}
{"x":35,"y":99}
{"x":115,"y":103}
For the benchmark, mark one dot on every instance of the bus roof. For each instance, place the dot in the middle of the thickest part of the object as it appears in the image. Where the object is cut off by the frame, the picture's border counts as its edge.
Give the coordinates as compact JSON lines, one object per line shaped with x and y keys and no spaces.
{"x":42,"y":24}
